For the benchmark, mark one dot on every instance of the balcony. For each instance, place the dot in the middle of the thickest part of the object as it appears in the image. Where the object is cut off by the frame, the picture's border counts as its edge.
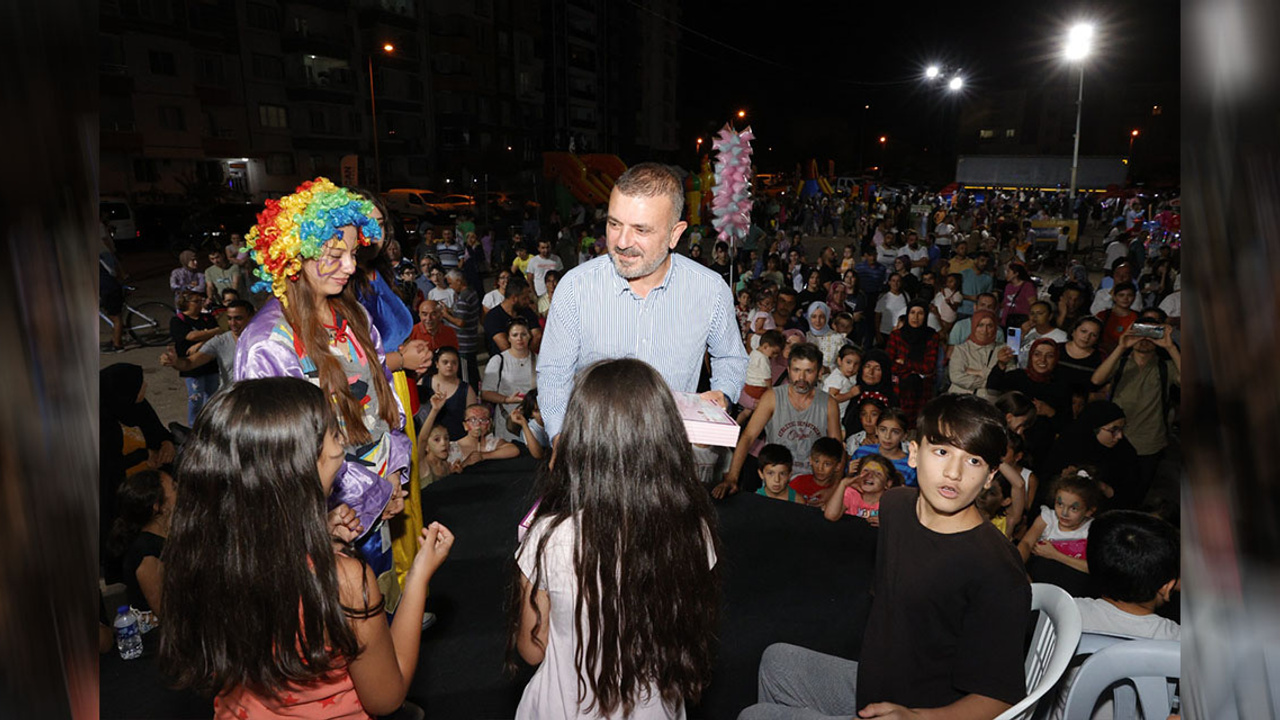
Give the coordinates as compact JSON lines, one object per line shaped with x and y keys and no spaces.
{"x":223,"y":147}
{"x":312,"y":92}
{"x":114,"y":79}
{"x":119,"y":136}
{"x":313,"y":42}
{"x":338,"y":6}
{"x":210,"y":95}
{"x":376,"y":13}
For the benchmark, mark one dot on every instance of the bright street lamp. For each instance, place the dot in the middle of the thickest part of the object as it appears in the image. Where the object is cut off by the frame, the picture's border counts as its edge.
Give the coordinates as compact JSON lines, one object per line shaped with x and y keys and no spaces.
{"x":883,"y":139}
{"x":956,"y":83}
{"x":931,"y":72}
{"x":1132,"y":136}
{"x":1079,"y":43}
{"x":373,"y":113}
{"x":742,"y":114}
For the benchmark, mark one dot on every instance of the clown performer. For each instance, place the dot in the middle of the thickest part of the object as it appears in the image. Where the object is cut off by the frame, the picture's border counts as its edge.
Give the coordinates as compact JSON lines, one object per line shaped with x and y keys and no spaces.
{"x":304,"y":246}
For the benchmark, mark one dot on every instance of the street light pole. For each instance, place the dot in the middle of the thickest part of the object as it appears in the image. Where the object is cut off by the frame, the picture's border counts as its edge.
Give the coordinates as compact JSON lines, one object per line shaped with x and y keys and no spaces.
{"x":1075,"y":153}
{"x":373,"y":108}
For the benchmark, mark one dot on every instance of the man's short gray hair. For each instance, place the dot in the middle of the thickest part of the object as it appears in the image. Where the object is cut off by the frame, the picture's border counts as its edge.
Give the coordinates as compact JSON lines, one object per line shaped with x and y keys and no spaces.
{"x":455,"y":274}
{"x":651,"y":179}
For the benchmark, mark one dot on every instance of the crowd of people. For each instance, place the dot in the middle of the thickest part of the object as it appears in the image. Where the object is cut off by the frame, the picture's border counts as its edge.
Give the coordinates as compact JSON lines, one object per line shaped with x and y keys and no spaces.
{"x":901,"y":367}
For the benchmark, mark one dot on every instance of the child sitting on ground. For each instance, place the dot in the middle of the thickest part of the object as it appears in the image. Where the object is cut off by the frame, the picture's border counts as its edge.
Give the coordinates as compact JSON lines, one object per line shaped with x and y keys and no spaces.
{"x":891,"y":432}
{"x":826,"y":459}
{"x":479,"y":444}
{"x":759,"y":372}
{"x":775,"y":471}
{"x":842,"y":383}
{"x":1134,"y":562}
{"x":859,"y":492}
{"x":994,"y":502}
{"x":1061,"y":533}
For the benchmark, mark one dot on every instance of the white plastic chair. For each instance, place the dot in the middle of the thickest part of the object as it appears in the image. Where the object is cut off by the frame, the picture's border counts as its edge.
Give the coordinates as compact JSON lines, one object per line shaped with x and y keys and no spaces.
{"x":1144,"y":666}
{"x":1052,"y":646}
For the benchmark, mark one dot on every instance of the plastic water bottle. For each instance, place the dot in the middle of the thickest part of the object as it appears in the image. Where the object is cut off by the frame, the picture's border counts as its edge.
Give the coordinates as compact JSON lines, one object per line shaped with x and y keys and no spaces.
{"x":128,"y":636}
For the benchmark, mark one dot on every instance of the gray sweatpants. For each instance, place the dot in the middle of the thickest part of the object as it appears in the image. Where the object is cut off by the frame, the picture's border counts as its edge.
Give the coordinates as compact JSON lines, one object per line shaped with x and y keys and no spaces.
{"x":799,"y":683}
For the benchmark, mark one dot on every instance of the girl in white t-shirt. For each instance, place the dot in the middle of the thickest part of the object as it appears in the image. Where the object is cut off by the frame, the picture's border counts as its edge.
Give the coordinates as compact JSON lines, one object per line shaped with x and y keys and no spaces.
{"x":947,"y":300}
{"x":1061,"y":532}
{"x":891,"y":306}
{"x":842,"y":383}
{"x":623,"y":527}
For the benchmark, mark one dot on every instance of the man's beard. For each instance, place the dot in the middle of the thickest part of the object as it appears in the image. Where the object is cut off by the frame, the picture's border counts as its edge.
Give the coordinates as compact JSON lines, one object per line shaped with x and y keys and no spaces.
{"x":802,"y":387}
{"x":636,"y":271}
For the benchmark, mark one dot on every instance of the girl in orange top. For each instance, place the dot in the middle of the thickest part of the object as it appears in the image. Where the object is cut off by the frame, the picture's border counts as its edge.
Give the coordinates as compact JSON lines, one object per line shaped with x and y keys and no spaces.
{"x":269,"y":613}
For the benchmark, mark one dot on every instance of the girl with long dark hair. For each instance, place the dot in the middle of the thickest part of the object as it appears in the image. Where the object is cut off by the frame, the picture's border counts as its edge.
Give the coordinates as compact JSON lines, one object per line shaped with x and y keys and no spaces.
{"x":260,"y":611}
{"x":616,"y":597}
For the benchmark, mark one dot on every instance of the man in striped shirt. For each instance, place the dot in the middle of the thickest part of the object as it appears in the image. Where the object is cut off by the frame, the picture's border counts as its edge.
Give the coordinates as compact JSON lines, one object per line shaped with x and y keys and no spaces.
{"x":641,"y":301}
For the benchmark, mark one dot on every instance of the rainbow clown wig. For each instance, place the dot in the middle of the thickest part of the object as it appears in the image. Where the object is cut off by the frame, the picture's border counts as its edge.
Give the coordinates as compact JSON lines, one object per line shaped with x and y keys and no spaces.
{"x":296,"y":228}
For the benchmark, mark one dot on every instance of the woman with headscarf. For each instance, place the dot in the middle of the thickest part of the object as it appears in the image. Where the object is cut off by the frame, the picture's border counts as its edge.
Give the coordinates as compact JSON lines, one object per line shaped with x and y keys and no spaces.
{"x":1097,"y":439}
{"x":820,"y":334}
{"x":123,"y":407}
{"x":875,"y":380}
{"x":1050,"y":393}
{"x":913,"y":355}
{"x":973,"y":359}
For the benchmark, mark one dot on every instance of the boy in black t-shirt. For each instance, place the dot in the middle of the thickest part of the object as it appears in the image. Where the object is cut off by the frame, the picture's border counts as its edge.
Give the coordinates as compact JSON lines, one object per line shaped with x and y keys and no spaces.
{"x":951,"y":601}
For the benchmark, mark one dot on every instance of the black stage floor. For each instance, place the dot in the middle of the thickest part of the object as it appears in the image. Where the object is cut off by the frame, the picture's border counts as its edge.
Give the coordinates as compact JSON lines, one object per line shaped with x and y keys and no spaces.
{"x":788,"y":576}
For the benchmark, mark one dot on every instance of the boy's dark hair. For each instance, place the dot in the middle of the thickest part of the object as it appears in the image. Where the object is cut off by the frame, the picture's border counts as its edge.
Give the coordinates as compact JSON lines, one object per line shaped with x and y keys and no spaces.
{"x":1132,"y":555}
{"x":1083,"y":485}
{"x":772,"y":337}
{"x":827,"y":447}
{"x":233,"y":291}
{"x":774,"y":454}
{"x":243,"y":305}
{"x":1119,"y":287}
{"x":968,"y":422}
{"x":806,"y":351}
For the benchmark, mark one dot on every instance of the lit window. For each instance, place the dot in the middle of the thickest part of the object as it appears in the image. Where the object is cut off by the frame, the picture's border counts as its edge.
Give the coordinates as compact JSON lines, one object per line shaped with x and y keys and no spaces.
{"x":1009,"y":133}
{"x":985,"y":134}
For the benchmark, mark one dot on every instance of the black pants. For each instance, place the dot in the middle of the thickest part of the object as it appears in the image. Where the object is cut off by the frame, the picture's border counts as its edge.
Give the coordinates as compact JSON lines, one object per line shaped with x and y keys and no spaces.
{"x":470,"y":371}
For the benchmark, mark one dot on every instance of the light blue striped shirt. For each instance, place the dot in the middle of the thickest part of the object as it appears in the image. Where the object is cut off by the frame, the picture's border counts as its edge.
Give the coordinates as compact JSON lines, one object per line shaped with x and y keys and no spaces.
{"x":596,"y":316}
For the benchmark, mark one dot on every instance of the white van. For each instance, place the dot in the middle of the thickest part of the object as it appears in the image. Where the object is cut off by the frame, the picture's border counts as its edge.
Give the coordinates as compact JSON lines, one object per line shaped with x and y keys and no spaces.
{"x":120,"y":218}
{"x":410,"y":201}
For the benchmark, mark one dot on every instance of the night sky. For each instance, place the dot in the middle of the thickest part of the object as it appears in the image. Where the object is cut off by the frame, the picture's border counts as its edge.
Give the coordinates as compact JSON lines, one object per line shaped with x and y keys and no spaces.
{"x":804,"y":75}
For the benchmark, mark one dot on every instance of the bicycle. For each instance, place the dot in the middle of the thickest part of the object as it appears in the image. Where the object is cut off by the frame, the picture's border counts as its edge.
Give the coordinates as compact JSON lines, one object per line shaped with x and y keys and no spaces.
{"x":147,"y":323}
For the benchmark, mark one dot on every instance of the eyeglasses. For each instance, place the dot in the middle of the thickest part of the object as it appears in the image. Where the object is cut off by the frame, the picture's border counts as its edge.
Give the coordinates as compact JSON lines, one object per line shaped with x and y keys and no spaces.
{"x":1114,"y":430}
{"x":477,"y":421}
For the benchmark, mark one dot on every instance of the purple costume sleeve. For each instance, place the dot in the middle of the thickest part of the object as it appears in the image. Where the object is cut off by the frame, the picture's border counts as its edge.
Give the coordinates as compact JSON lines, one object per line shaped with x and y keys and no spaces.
{"x":263,"y":352}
